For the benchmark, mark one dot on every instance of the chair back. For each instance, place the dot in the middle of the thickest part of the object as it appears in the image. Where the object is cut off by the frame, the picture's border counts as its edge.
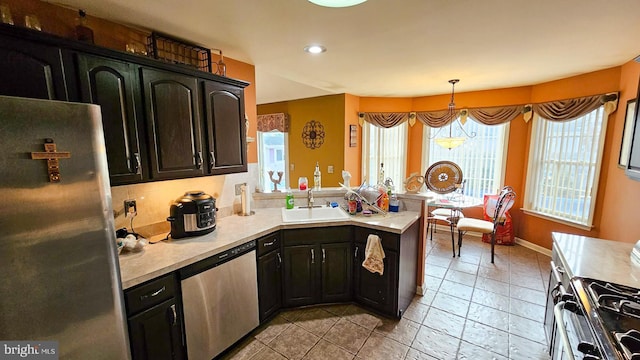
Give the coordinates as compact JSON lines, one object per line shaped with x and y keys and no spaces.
{"x":505,"y":201}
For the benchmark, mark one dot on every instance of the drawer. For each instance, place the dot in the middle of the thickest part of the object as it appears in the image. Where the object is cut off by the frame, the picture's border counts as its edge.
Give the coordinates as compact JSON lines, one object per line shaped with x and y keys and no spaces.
{"x":321,"y":235}
{"x":269,"y":243}
{"x":149,"y":294}
{"x":390,"y":241}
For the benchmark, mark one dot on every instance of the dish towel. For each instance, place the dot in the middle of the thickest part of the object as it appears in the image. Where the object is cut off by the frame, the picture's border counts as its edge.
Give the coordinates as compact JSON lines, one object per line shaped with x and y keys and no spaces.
{"x":373,"y":255}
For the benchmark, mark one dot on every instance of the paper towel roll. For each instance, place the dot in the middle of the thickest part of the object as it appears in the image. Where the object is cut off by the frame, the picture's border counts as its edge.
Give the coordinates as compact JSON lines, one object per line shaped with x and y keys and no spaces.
{"x":246,"y":200}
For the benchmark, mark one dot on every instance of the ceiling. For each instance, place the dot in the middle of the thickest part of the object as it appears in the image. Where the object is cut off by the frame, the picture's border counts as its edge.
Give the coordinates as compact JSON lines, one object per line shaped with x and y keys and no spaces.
{"x":394,"y":48}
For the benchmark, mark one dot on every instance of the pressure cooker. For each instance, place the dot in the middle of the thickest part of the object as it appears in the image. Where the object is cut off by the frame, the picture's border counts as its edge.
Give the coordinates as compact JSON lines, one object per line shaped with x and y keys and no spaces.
{"x":192,"y":214}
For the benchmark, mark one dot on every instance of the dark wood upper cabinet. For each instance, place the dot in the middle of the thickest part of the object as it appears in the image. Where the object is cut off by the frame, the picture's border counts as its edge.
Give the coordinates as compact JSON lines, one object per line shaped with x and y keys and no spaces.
{"x":31,"y":70}
{"x":226,"y":132}
{"x":112,"y":84}
{"x":173,"y":124}
{"x":161,"y":121}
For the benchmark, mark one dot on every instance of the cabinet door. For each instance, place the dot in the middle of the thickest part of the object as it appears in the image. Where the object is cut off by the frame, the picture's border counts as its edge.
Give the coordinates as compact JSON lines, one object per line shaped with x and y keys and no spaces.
{"x":372,"y":289}
{"x":173,"y":124}
{"x":300,"y":275}
{"x":112,"y":85}
{"x":336,"y":272}
{"x":31,"y":70}
{"x":155,"y":333}
{"x":226,"y":133}
{"x":269,"y":283}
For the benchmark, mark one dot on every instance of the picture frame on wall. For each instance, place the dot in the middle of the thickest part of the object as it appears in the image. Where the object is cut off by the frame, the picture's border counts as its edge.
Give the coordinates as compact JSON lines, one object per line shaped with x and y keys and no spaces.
{"x":353,"y":136}
{"x":627,"y":133}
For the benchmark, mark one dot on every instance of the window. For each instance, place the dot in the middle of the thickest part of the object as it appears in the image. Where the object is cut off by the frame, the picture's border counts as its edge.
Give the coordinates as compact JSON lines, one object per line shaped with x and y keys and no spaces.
{"x":272,"y":155}
{"x":564,"y":167}
{"x":387,"y":146}
{"x":482,"y":158}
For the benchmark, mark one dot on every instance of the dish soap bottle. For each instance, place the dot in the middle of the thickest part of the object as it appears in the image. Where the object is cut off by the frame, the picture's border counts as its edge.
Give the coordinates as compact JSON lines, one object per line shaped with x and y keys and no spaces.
{"x":381,"y":174}
{"x":289,"y":201}
{"x":83,"y":33}
{"x":317,"y":177}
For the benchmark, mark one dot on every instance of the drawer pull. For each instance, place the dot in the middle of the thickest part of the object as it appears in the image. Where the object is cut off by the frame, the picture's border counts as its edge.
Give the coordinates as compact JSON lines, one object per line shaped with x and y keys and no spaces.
{"x":153,"y":294}
{"x":313,"y":257}
{"x":138,"y":166}
{"x":270,"y":243}
{"x":199,"y":160}
{"x":212,"y":159}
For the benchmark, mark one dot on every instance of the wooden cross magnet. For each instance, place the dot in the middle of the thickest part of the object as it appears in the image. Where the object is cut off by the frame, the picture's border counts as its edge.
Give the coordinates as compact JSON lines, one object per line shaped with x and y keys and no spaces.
{"x":51,"y":154}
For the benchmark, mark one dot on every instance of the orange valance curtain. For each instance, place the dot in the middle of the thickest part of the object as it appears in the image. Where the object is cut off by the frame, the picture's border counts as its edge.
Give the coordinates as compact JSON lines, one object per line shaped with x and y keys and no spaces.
{"x":559,"y":110}
{"x":273,"y":122}
{"x":385,"y":120}
{"x":564,"y":110}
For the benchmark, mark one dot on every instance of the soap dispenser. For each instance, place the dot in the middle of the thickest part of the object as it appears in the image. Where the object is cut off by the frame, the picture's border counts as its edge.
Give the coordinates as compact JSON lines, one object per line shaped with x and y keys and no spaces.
{"x":317,"y":177}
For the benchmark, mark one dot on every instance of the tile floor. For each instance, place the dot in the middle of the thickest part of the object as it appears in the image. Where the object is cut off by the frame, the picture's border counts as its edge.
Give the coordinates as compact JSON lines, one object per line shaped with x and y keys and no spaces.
{"x":472,"y":309}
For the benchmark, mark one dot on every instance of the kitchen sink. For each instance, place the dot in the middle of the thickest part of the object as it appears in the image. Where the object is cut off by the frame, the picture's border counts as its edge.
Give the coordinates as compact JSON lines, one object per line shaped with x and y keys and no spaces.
{"x":303,"y":214}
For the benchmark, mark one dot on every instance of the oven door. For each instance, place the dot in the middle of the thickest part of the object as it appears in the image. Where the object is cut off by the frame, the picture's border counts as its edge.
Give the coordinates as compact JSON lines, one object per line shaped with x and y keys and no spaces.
{"x":572,"y":333}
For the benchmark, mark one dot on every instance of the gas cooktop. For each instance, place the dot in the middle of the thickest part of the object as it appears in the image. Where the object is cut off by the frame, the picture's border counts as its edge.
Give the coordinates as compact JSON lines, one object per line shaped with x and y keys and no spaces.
{"x":614,"y":314}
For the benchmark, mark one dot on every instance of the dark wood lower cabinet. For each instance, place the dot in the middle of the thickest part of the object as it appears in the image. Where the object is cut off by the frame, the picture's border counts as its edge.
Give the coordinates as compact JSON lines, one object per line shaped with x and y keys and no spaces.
{"x":300,"y":275}
{"x":336,"y":272}
{"x":372,"y":289}
{"x":155,"y":334}
{"x":269,"y":283}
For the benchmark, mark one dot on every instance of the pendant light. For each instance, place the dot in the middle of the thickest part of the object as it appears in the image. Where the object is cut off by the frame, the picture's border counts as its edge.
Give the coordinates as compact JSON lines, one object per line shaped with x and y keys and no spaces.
{"x":450,"y":141}
{"x":337,"y":3}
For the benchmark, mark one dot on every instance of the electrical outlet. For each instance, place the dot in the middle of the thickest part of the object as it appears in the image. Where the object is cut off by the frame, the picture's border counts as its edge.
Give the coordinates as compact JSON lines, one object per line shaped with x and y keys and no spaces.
{"x":330,"y":169}
{"x":239,"y":188}
{"x":130,"y":208}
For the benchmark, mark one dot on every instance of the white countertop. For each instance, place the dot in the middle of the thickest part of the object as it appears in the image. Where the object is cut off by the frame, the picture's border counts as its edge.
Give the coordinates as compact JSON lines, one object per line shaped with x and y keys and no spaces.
{"x":597,"y":259}
{"x":166,"y":256}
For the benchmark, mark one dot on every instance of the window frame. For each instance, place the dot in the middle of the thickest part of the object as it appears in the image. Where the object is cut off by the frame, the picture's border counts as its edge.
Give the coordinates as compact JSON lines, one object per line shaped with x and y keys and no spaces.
{"x":366,"y":147}
{"x":532,"y":167}
{"x":261,"y":171}
{"x":500,"y":179}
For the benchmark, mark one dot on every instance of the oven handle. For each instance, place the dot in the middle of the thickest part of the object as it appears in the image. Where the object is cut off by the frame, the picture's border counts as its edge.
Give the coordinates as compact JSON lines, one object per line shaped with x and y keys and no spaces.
{"x":562,"y":330}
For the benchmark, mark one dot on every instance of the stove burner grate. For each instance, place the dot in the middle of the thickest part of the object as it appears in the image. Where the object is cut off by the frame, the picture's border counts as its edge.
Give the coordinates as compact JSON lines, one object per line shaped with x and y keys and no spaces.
{"x":621,"y":300}
{"x":630,"y":342}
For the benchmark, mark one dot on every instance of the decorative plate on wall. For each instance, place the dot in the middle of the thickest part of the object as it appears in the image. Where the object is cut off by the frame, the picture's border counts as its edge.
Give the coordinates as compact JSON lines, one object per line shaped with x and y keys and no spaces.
{"x":443,"y":176}
{"x":313,"y":134}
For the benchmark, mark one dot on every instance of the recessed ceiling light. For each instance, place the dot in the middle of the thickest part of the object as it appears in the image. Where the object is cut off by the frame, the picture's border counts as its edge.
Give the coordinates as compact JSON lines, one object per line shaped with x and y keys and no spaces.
{"x":337,"y":3}
{"x":315,"y":49}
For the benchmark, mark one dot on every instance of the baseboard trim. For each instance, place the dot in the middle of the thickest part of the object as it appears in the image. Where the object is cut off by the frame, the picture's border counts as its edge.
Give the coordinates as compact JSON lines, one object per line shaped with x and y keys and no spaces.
{"x":534,"y":247}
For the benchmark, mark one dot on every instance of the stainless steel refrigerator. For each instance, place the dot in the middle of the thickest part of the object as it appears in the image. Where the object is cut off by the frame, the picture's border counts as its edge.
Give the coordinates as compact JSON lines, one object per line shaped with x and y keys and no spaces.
{"x":59,"y":272}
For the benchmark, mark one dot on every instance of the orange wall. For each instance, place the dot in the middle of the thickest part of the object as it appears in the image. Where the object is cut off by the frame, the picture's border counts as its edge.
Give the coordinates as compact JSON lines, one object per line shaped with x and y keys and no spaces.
{"x":621,"y":195}
{"x":61,"y":21}
{"x":618,"y":197}
{"x":352,"y":155}
{"x":330,"y":112}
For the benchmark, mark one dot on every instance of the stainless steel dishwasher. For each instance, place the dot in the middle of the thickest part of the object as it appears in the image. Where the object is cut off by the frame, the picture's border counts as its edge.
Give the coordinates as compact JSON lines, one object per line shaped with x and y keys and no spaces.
{"x":220,"y":301}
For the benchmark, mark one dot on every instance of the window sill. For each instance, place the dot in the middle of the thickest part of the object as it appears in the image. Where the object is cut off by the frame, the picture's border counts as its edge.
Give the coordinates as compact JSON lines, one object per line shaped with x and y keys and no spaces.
{"x":558,"y":220}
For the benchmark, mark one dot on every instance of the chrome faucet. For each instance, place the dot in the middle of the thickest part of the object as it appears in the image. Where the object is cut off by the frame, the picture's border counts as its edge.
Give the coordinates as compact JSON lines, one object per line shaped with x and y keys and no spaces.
{"x":310,"y":198}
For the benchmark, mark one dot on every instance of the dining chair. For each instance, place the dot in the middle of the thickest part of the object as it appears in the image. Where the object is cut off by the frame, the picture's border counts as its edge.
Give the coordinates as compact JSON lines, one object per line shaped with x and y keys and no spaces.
{"x":444,"y":177}
{"x":503,"y":204}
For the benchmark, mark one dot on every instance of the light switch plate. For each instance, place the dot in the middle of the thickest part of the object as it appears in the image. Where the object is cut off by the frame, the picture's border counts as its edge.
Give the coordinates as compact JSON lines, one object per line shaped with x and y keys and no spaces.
{"x":330,"y":169}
